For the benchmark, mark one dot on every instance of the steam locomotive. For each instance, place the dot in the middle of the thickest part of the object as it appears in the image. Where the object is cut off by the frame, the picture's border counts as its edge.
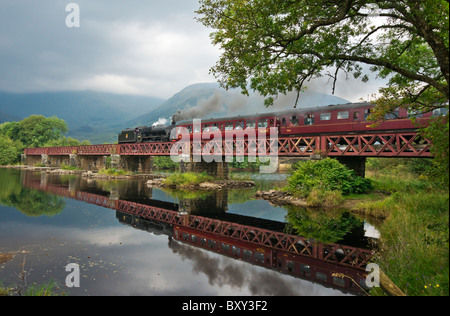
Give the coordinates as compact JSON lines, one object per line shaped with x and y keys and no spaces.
{"x":342,"y":118}
{"x":146,"y":134}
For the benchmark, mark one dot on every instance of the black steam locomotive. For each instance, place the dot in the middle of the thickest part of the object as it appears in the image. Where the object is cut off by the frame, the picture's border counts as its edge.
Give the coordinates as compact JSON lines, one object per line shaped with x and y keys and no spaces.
{"x":146,"y":134}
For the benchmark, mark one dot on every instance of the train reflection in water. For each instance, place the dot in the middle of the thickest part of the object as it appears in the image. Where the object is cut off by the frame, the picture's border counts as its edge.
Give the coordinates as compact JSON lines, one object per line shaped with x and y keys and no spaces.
{"x":288,"y":254}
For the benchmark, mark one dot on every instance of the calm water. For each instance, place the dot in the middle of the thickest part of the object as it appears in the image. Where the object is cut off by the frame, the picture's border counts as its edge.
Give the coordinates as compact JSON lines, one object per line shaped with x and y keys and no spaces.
{"x":46,"y":225}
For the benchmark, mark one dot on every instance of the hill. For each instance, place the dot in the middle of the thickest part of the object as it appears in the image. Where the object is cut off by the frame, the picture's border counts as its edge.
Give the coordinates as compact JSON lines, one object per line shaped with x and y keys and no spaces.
{"x":90,"y":115}
{"x":208,"y":100}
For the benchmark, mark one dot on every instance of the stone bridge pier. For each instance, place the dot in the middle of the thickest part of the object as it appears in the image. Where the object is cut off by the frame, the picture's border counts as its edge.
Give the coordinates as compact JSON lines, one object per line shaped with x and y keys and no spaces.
{"x":218,"y":169}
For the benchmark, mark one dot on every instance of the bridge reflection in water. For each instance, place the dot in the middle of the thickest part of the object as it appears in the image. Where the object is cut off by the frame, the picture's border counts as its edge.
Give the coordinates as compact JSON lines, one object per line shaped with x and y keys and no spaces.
{"x":253,"y":240}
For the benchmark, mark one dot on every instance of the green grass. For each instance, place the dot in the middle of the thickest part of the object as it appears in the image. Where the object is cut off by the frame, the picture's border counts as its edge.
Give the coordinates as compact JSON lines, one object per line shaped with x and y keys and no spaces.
{"x":113,"y":172}
{"x":414,"y":249}
{"x":188,"y":178}
{"x":67,"y":167}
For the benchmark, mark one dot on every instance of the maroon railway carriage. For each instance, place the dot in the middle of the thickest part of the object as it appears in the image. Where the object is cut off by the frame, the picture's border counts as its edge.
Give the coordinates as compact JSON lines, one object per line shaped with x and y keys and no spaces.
{"x":344,"y":118}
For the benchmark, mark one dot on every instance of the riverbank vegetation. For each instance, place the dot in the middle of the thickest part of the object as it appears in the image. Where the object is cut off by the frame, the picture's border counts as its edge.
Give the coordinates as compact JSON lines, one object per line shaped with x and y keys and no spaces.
{"x":414,"y":249}
{"x":413,"y":205}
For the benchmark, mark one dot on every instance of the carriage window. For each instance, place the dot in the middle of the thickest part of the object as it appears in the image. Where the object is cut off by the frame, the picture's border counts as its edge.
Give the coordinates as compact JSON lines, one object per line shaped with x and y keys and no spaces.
{"x":229,"y":126}
{"x":189,"y":128}
{"x":251,"y":124}
{"x":294,"y":120}
{"x":392,"y":116}
{"x":214,"y":127}
{"x":356,"y":115}
{"x":321,"y":277}
{"x":271,"y":122}
{"x":262,"y":123}
{"x":414,"y":113}
{"x":259,"y":257}
{"x":239,"y":125}
{"x":290,"y":266}
{"x":440,"y":112}
{"x":206,"y":128}
{"x":225,"y":247}
{"x":325,"y":116}
{"x":309,"y":119}
{"x":283,"y":121}
{"x":367,"y":113}
{"x":343,"y":115}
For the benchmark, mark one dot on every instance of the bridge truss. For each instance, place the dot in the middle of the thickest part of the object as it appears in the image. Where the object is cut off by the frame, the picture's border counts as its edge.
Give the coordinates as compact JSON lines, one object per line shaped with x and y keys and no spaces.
{"x":394,"y":144}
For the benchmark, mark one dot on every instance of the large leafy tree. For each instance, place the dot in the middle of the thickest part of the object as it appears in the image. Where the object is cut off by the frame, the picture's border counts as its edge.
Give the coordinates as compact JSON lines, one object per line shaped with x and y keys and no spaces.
{"x":35,"y":131}
{"x":277,"y":46}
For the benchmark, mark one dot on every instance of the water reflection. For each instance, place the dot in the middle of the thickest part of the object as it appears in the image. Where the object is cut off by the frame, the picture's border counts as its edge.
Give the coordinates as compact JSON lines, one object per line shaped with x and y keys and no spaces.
{"x":199,"y":229}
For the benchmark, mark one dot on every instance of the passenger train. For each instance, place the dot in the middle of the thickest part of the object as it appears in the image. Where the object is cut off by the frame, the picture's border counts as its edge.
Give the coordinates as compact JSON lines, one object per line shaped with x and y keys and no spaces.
{"x":334,"y":119}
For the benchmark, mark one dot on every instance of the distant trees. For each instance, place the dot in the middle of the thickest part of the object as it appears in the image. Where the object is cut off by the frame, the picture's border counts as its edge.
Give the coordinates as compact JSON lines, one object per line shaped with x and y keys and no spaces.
{"x":34,"y":131}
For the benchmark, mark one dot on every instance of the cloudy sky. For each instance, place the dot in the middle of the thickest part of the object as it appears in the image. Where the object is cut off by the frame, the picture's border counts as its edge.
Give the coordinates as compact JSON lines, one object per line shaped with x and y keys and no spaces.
{"x":145,"y":47}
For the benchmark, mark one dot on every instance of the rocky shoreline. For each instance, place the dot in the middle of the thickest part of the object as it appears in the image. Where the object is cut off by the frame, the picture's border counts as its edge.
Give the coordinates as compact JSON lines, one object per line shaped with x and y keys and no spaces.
{"x":280,"y":198}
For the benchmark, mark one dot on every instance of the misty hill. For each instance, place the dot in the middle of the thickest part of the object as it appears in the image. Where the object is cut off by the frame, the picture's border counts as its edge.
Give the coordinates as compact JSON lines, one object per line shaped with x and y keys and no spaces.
{"x":208,"y":100}
{"x":95,"y":116}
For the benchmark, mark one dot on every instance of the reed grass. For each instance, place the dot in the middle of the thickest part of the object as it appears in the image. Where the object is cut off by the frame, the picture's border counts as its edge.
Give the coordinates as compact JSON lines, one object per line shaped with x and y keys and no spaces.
{"x":414,"y":249}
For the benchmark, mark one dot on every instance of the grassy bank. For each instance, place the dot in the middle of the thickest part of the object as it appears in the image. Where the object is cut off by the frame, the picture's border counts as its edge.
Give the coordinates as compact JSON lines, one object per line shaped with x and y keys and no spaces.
{"x":414,"y":209}
{"x":414,"y":249}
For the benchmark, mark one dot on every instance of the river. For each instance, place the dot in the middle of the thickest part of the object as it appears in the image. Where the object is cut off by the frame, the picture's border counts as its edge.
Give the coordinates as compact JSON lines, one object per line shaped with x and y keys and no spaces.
{"x":49,"y":221}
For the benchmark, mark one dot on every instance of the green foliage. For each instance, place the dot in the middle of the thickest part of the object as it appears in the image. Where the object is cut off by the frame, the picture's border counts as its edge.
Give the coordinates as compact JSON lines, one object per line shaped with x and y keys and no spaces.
{"x":164,"y":163}
{"x":247,"y":165}
{"x":326,"y":175}
{"x":50,"y":288}
{"x":438,"y":133}
{"x":66,"y":142}
{"x":278,"y":46}
{"x":10,"y":150}
{"x":35,"y":131}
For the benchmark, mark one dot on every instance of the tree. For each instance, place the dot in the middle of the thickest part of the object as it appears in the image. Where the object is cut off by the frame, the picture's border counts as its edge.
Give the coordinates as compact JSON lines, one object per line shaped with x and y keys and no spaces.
{"x":274,"y":47}
{"x":35,"y":131}
{"x":279,"y":45}
{"x":9,"y":150}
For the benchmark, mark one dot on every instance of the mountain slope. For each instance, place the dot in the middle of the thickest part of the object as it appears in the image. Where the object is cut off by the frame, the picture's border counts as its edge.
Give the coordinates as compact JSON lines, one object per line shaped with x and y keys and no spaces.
{"x":208,"y":100}
{"x":90,"y":115}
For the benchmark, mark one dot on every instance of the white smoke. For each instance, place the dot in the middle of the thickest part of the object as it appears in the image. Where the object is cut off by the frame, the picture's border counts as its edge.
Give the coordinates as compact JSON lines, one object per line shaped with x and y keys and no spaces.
{"x":161,"y":122}
{"x":204,"y":107}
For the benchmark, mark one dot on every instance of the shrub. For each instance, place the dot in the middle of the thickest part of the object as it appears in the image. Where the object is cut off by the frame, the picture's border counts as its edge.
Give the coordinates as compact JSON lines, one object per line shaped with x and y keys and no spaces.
{"x":326,"y":175}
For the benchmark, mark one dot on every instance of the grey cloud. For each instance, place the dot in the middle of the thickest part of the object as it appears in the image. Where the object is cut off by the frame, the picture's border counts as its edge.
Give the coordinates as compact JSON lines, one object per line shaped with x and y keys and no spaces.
{"x":143,"y":46}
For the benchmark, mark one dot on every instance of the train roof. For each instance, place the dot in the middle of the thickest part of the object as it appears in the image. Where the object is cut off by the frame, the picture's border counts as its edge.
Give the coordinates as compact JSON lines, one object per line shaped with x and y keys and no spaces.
{"x":333,"y":107}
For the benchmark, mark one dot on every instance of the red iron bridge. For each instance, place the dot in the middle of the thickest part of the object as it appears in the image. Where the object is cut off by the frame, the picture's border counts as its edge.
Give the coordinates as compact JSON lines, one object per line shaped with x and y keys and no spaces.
{"x":381,"y":144}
